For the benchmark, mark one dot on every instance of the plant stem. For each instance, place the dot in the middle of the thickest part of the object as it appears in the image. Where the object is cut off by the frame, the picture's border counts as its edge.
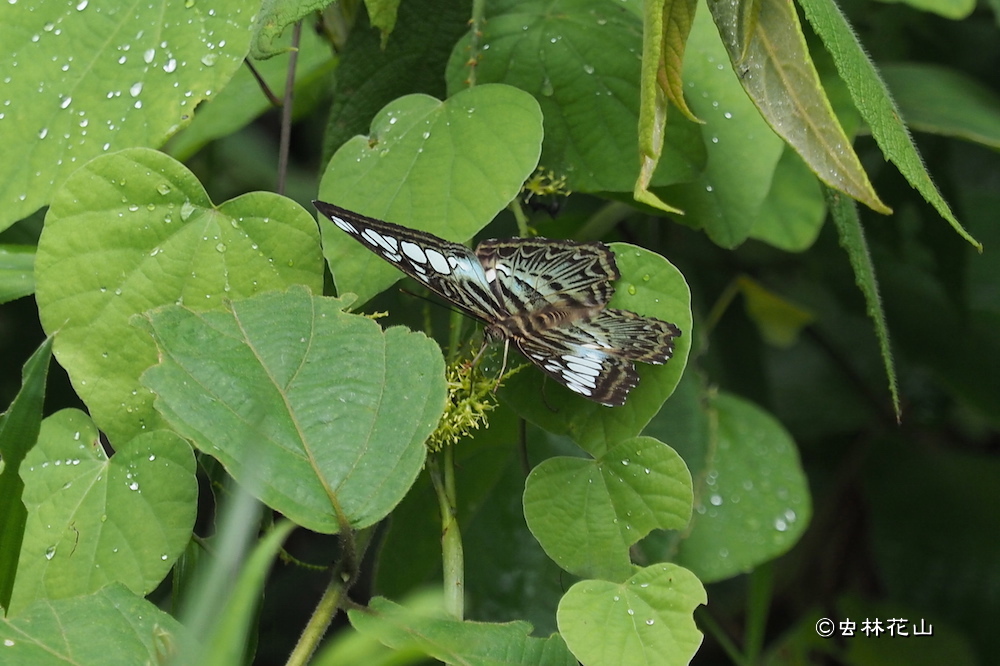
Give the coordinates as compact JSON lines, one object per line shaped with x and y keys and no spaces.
{"x":453,"y":558}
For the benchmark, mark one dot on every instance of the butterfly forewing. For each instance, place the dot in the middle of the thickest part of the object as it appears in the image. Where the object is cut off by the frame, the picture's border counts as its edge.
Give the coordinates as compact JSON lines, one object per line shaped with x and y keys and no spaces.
{"x":547,"y":297}
{"x":449,"y":269}
{"x":536,"y":273}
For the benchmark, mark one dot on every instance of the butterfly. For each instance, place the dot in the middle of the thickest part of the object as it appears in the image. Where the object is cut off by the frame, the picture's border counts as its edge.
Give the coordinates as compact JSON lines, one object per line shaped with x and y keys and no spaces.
{"x":546,"y":297}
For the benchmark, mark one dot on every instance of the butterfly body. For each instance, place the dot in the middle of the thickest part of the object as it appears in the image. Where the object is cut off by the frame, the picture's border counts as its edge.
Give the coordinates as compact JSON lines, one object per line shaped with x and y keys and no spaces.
{"x":548,"y":298}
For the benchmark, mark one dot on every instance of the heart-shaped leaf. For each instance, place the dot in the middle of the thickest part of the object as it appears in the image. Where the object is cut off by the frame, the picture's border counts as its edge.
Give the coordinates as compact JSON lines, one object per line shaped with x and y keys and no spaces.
{"x":650,"y":616}
{"x":135,"y":230}
{"x":443,"y":167}
{"x":94,"y":520}
{"x":319,"y":413}
{"x":586,"y":514}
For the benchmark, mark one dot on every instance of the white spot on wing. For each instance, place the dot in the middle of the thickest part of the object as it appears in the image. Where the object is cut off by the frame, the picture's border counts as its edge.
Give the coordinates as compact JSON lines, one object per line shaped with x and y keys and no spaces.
{"x":438,"y":262}
{"x":460,"y":263}
{"x":413,"y":251}
{"x":491,"y":274}
{"x":388,"y":243}
{"x":587,"y":370}
{"x":345,"y":225}
{"x":576,"y":378}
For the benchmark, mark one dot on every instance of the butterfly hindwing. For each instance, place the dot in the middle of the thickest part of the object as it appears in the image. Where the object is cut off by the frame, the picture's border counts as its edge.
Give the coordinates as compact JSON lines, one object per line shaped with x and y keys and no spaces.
{"x":594,"y":356}
{"x":449,"y":269}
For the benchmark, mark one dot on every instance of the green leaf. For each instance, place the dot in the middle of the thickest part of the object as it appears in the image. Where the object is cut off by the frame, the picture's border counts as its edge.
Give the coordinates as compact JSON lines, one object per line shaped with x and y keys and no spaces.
{"x":650,"y":286}
{"x":876,"y":106}
{"x":945,"y":101}
{"x":453,"y":641}
{"x":227,"y":638}
{"x":665,"y":30}
{"x":135,"y":230}
{"x":241,"y":101}
{"x":383,"y":16}
{"x":752,"y":500}
{"x":779,"y":320}
{"x":649,"y":616}
{"x":17,"y":265}
{"x":742,"y":150}
{"x":443,"y":167}
{"x":112,"y":626}
{"x":771,"y":54}
{"x":793,"y":213}
{"x":852,"y":239}
{"x":89,"y":77}
{"x":273,"y":19}
{"x":320,"y":414}
{"x":19,"y":428}
{"x":580,"y":60}
{"x":586,"y":514}
{"x":950,"y":9}
{"x":371,"y":75}
{"x":94,"y":520}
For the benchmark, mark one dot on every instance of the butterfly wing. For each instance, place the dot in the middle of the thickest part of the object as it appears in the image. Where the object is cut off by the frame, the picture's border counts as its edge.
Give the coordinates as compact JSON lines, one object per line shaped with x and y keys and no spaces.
{"x":594,"y":356}
{"x":533,"y":273}
{"x":448,"y":269}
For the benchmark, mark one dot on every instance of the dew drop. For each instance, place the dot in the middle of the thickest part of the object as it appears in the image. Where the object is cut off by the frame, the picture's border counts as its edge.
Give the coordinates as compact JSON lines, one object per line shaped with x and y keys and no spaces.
{"x":50,"y":552}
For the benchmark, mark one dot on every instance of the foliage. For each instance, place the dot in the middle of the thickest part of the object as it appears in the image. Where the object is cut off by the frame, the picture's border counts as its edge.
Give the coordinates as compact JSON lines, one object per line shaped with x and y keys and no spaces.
{"x":783,"y":466}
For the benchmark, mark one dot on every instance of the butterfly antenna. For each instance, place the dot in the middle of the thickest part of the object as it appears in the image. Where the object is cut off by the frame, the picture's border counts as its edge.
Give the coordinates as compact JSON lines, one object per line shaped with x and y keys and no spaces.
{"x":432,"y":301}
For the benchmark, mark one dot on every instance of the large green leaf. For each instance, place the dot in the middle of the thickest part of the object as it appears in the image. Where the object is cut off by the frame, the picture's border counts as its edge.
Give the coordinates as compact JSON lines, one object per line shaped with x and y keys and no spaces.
{"x":111,"y":627}
{"x":242,"y":100}
{"x":94,"y":520}
{"x":752,"y":500}
{"x":648,"y":617}
{"x":456,"y":642}
{"x":650,"y":286}
{"x":88,"y":77}
{"x":135,"y":230}
{"x":372,"y":74}
{"x":586,"y":514}
{"x":581,"y":60}
{"x":319,"y":413}
{"x":444,"y":167}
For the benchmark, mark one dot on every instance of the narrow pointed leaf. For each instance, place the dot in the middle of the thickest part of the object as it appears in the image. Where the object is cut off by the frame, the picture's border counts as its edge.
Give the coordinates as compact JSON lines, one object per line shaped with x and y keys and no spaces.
{"x":666,"y":25}
{"x":876,"y":106}
{"x":19,"y":428}
{"x":852,"y":239}
{"x":768,"y":50}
